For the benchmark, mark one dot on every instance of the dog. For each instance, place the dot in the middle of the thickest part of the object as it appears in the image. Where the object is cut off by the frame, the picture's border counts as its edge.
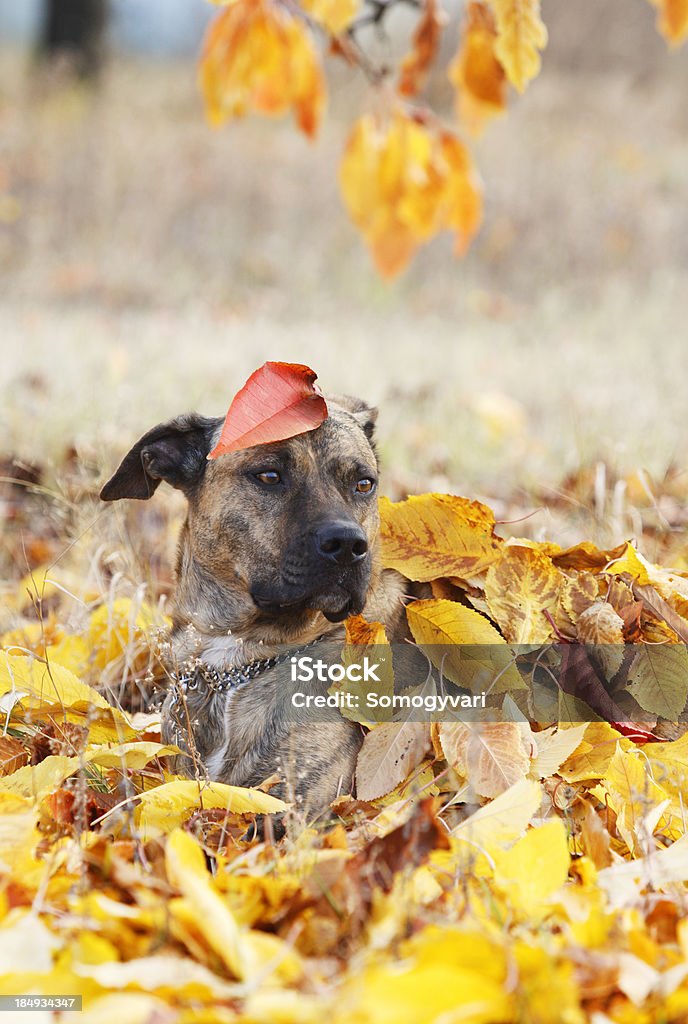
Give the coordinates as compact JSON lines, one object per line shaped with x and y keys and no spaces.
{"x":280,"y":545}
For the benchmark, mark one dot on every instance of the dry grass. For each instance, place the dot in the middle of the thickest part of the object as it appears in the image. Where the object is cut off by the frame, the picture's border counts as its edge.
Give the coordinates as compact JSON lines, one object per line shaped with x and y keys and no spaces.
{"x":154,"y":263}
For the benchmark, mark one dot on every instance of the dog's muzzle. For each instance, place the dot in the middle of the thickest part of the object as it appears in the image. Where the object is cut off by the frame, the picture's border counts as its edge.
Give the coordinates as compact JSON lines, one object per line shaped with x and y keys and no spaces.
{"x":329,"y":572}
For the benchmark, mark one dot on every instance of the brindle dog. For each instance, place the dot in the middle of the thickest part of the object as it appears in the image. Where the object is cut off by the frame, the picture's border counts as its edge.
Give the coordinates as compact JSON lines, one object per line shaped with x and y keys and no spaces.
{"x":280,"y":545}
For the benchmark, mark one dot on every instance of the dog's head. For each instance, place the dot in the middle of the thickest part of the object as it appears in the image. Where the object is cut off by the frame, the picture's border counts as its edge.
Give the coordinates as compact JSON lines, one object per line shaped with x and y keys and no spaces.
{"x":275,"y":533}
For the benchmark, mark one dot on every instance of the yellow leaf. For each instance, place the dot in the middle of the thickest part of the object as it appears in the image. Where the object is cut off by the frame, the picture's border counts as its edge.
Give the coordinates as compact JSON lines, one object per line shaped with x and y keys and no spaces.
{"x":475,"y":72}
{"x":116,"y":628}
{"x":632,"y":794}
{"x":187,"y":872}
{"x":433,"y":535}
{"x":37,"y":781}
{"x":555,"y":747}
{"x":592,"y":756}
{"x":410,"y":993}
{"x":632,"y":563}
{"x":129,"y":755}
{"x":536,"y":867}
{"x":504,"y":819}
{"x":259,"y":56}
{"x":464,"y":646}
{"x":520,"y":35}
{"x":540,"y":976}
{"x":490,"y":755}
{"x":71,"y":652}
{"x":520,"y":588}
{"x":19,"y":837}
{"x":56,"y":691}
{"x":165,"y":807}
{"x":669,"y":762}
{"x":658,"y":679}
{"x":366,"y":640}
{"x":333,"y":15}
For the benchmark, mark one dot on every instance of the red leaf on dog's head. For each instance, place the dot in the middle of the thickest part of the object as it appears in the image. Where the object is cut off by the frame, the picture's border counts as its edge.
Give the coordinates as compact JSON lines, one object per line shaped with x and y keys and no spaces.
{"x":279,"y":400}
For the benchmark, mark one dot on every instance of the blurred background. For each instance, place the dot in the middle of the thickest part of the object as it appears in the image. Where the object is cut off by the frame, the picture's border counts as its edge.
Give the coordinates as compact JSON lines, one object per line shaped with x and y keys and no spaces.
{"x":149,"y":263}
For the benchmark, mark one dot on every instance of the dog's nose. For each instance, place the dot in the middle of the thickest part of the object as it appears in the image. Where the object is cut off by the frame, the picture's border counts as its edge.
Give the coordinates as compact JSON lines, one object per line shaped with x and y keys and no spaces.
{"x":341,"y":542}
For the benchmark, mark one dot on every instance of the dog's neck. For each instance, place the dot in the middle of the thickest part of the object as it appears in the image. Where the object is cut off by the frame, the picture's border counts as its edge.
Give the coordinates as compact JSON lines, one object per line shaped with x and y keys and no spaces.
{"x":214,"y":623}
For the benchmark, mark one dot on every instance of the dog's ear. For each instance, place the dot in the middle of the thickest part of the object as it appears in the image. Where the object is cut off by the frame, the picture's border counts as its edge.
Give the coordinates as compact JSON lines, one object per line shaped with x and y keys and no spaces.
{"x":175,"y":451}
{"x":366,"y":415}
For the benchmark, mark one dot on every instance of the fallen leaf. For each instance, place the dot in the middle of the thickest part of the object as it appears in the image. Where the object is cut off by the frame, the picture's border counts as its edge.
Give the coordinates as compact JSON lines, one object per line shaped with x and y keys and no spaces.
{"x":490,"y":755}
{"x":555,"y":746}
{"x":389,"y":754}
{"x":165,"y":807}
{"x":464,"y":646}
{"x":502,"y":820}
{"x":535,"y":867}
{"x":600,"y":626}
{"x":433,"y":535}
{"x":658,"y":679}
{"x":520,"y":588}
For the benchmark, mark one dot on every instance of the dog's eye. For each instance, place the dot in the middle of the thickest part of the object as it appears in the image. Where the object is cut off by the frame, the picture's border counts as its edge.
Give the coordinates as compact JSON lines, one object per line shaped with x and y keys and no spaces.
{"x":365,"y":485}
{"x":269,"y":477}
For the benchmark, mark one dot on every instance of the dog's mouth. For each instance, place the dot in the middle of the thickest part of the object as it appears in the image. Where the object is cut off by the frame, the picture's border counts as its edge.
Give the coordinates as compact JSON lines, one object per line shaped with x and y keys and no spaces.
{"x":335,"y":604}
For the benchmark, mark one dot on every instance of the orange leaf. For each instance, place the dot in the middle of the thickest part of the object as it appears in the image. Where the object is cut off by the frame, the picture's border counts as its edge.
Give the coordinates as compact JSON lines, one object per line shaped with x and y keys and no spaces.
{"x":279,"y":400}
{"x":672,"y":20}
{"x":426,"y":40}
{"x":403,"y":180}
{"x":259,"y":56}
{"x":476,"y":73}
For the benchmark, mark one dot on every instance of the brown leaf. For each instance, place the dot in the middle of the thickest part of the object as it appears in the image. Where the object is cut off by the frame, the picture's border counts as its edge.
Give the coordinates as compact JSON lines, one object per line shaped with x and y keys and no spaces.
{"x":405,"y":848}
{"x":13,"y":755}
{"x":659,"y":607}
{"x":594,"y":837}
{"x":587,"y":556}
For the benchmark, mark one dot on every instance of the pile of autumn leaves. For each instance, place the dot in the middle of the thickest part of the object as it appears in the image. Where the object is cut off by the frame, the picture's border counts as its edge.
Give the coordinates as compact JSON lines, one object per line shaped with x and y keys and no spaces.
{"x":514,"y":872}
{"x":404,"y":175}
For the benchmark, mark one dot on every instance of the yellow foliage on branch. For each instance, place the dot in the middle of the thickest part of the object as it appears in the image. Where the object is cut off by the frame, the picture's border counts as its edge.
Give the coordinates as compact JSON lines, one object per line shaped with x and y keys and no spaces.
{"x":264,"y":56}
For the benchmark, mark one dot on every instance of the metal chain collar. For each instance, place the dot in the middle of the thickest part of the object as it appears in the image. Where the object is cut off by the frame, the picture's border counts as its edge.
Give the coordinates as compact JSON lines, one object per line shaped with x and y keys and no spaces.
{"x":224,"y":680}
